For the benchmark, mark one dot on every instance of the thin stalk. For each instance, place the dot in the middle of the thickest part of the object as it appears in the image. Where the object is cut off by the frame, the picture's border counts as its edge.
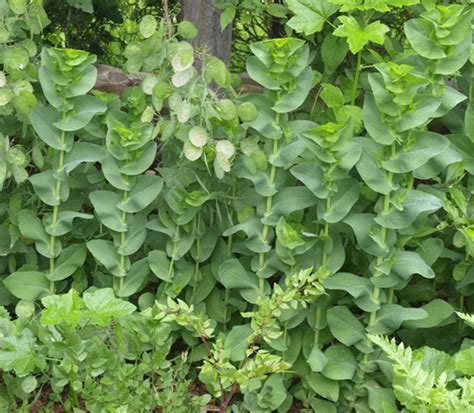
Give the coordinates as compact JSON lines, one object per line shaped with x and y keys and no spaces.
{"x":173,"y":254}
{"x":376,"y":292}
{"x":57,"y":193}
{"x":198,"y":256}
{"x":356,"y":77}
{"x":317,"y":326}
{"x":268,"y":211}
{"x":324,"y":261}
{"x":471,"y":85}
{"x":123,"y":237}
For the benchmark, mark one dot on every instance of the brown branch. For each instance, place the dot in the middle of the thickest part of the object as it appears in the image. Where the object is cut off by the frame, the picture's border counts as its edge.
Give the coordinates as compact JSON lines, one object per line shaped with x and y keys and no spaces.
{"x":113,"y":80}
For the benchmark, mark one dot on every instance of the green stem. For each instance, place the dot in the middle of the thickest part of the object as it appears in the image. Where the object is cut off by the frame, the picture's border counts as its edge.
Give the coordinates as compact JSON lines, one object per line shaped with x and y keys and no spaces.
{"x":123,"y":238}
{"x":324,"y":260}
{"x":57,"y":194}
{"x":198,"y":257}
{"x":268,"y":211}
{"x":376,"y":292}
{"x":356,"y":78}
{"x":317,"y":326}
{"x":173,"y":254}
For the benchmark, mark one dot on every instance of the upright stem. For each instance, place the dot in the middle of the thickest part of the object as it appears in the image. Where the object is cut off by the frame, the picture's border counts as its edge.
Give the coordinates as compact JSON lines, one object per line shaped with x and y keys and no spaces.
{"x":198,"y":255}
{"x":268,"y":211}
{"x":173,"y":253}
{"x":57,"y":194}
{"x":324,"y":261}
{"x":123,"y":238}
{"x":356,"y":78}
{"x":376,"y":292}
{"x":317,"y":326}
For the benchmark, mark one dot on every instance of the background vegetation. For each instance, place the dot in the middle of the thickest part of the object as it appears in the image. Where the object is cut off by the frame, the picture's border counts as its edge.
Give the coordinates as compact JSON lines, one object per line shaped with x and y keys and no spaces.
{"x":301,"y":242}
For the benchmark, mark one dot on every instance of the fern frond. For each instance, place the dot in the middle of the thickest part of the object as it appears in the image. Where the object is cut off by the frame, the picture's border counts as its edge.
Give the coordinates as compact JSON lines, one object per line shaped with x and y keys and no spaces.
{"x":402,"y":356}
{"x":468,"y":318}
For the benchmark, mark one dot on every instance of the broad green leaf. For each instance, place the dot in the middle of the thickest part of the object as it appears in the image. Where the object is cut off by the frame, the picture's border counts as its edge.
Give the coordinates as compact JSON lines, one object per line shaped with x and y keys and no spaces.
{"x":143,"y":163}
{"x":45,"y":186}
{"x":353,"y":284}
{"x":106,"y":253}
{"x":134,"y":237}
{"x":391,"y":316}
{"x":288,"y":200}
{"x":43,"y":119}
{"x":427,"y":145}
{"x":103,"y":306}
{"x":418,"y":32}
{"x":373,"y":175}
{"x":71,"y":258}
{"x":333,"y":52}
{"x":311,"y":175}
{"x":416,"y":203}
{"x":233,"y":275}
{"x":227,"y":16}
{"x":136,"y":278}
{"x":439,"y":163}
{"x":288,"y":102}
{"x":341,"y":203}
{"x":317,"y":360}
{"x":83,"y":152}
{"x":27,"y":285}
{"x":112,"y":173}
{"x":105,"y":205}
{"x":381,"y":399}
{"x":85,"y":108}
{"x":341,"y":364}
{"x":323,"y":386}
{"x":32,"y":228}
{"x":64,"y":223}
{"x":236,"y":342}
{"x":160,"y":265}
{"x":408,"y":263}
{"x":345,"y":326}
{"x":378,"y":130}
{"x":365,"y":230}
{"x":439,"y":313}
{"x":309,"y":16}
{"x":143,"y":193}
{"x":358,"y":37}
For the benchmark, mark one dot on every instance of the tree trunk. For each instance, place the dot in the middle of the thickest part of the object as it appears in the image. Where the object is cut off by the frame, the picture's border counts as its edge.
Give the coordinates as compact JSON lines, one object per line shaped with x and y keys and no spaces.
{"x":211,"y":39}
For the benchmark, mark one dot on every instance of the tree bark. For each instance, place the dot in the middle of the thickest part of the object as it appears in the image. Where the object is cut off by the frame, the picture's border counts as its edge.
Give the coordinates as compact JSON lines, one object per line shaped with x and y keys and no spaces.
{"x":210,"y":40}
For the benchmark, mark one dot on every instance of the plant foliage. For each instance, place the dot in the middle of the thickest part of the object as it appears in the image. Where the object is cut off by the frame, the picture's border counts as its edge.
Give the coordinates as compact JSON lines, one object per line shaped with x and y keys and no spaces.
{"x":184,"y":247}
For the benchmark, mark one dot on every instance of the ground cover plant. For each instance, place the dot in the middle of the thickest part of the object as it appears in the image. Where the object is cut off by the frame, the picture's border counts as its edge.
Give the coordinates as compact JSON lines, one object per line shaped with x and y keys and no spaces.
{"x":189,"y":246}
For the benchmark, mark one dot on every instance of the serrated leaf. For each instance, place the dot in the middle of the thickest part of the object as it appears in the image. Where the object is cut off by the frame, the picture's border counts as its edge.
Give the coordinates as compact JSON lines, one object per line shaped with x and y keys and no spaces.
{"x":309,"y":16}
{"x":103,"y":306}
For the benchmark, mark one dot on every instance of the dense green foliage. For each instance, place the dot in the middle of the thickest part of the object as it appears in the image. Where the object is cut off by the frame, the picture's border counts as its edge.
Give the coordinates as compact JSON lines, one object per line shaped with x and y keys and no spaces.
{"x":183,"y":247}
